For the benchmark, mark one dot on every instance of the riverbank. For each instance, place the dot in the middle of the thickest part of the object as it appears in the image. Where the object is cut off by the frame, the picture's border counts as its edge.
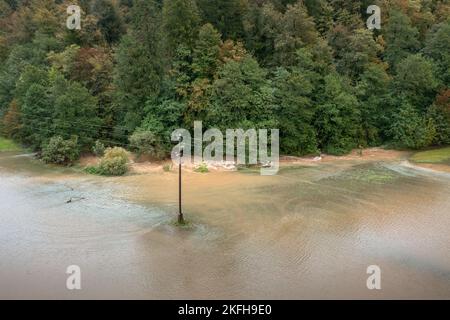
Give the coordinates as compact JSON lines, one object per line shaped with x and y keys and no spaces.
{"x":437,"y":159}
{"x":146,"y":165}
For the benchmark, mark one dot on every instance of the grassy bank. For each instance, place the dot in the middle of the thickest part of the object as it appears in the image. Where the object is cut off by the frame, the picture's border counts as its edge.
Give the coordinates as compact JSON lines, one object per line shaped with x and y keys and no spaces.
{"x":8,"y":145}
{"x":435,"y":156}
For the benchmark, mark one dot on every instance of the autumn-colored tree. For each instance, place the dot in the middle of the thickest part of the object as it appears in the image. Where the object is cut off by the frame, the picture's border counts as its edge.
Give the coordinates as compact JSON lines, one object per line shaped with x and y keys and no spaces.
{"x":11,"y":124}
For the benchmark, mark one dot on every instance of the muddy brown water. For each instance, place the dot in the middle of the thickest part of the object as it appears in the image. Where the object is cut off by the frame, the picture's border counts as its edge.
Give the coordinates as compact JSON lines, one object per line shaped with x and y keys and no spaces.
{"x":309,"y":232}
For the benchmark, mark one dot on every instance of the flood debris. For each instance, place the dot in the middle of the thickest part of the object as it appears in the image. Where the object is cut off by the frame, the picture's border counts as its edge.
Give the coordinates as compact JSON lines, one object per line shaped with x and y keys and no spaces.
{"x":75,"y":199}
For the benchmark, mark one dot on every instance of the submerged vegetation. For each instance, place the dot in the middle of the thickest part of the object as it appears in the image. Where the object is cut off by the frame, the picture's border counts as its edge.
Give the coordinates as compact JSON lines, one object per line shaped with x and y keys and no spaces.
{"x":185,"y":225}
{"x":138,"y":69}
{"x":365,"y":174}
{"x":113,"y":163}
{"x":202,"y":168}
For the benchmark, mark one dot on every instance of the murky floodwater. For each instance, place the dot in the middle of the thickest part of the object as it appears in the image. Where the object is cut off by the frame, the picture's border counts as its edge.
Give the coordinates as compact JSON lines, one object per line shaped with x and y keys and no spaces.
{"x":309,"y":232}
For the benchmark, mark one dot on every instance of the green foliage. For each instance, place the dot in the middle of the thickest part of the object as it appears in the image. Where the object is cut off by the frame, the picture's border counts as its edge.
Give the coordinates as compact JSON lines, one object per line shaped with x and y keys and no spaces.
{"x":432,"y":156}
{"x":74,"y":111}
{"x":146,"y":142}
{"x":373,"y":93}
{"x":438,"y":48}
{"x":181,"y":22}
{"x":60,"y":151}
{"x":114,"y":162}
{"x":401,"y":37}
{"x":297,"y":30}
{"x":206,"y":52}
{"x":137,"y":80}
{"x":416,"y":80}
{"x":295,"y":111}
{"x":338,"y":119}
{"x":202,"y":168}
{"x":241,"y":95}
{"x":139,"y":69}
{"x":8,"y":145}
{"x":409,"y":129}
{"x":440,"y":123}
{"x":161,"y":119}
{"x":360,"y":52}
{"x":51,"y":105}
{"x":95,"y":170}
{"x":109,"y":20}
{"x":225,"y":15}
{"x":37,"y":109}
{"x":98,"y":148}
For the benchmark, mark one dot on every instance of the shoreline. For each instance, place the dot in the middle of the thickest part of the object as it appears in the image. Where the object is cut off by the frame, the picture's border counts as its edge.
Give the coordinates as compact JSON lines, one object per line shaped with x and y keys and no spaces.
{"x":146,"y":166}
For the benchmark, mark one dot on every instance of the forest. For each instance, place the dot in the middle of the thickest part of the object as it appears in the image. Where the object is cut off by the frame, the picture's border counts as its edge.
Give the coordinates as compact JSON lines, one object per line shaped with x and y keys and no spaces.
{"x":138,"y":69}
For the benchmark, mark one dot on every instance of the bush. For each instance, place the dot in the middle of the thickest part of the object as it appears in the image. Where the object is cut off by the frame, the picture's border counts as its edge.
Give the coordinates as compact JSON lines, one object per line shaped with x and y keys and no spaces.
{"x":202,"y":168}
{"x":98,"y":149}
{"x":60,"y":151}
{"x":114,"y":162}
{"x":146,"y":142}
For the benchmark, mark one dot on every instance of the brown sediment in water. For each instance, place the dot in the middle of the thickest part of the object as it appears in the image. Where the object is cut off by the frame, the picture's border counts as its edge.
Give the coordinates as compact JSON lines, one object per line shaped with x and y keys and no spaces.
{"x":309,"y":232}
{"x":434,"y":166}
{"x":145,"y":165}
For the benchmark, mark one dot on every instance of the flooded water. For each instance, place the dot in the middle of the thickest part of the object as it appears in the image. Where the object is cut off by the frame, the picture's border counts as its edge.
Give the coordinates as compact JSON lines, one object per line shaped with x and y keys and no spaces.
{"x":310,"y":232}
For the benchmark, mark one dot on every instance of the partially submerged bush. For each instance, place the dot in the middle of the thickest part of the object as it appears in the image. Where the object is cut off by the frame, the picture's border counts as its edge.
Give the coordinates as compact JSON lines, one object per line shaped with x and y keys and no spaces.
{"x":202,"y":168}
{"x":114,"y":162}
{"x":60,"y":151}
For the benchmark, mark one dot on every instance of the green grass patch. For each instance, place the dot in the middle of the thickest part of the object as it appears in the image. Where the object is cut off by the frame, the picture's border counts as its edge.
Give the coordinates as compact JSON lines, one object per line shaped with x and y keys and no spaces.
{"x":93,"y":170}
{"x":441,"y":155}
{"x":8,"y":145}
{"x":202,"y":168}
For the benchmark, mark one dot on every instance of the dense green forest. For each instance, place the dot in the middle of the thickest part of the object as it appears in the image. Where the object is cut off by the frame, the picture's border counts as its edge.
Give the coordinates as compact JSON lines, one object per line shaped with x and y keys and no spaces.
{"x":138,"y":69}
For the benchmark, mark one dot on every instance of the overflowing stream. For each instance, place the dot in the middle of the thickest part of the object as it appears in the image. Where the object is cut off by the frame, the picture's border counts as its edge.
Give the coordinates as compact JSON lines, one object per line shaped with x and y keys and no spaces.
{"x":309,"y":232}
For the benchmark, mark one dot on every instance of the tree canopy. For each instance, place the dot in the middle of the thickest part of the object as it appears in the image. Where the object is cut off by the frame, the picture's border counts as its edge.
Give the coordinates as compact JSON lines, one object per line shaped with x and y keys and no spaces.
{"x":138,"y":69}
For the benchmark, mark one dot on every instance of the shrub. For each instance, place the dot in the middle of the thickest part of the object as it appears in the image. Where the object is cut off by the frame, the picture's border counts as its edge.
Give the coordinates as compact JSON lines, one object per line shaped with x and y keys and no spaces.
{"x":202,"y":168}
{"x":98,"y":149}
{"x":167,"y":167}
{"x":114,"y":162}
{"x":60,"y":151}
{"x":146,"y":142}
